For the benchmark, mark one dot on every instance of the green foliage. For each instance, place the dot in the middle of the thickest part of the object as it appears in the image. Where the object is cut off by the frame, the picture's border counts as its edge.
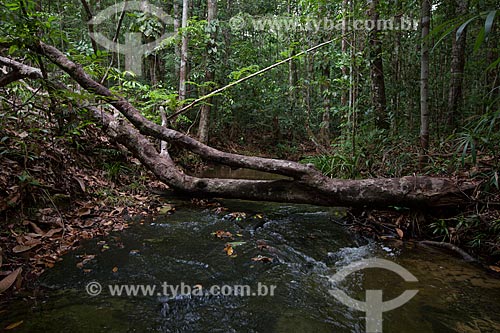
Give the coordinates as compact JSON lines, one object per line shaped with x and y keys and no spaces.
{"x":114,"y":170}
{"x":482,"y":136}
{"x":440,"y":228}
{"x":372,"y":153}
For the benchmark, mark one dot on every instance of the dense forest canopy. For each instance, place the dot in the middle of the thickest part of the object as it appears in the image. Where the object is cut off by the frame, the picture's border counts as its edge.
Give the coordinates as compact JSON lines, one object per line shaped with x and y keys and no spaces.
{"x":352,"y":97}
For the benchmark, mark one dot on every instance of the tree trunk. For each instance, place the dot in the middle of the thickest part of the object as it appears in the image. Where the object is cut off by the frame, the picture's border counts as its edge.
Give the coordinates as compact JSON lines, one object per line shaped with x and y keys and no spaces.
{"x":377,"y":70}
{"x":424,"y":82}
{"x":324,"y":131}
{"x":175,"y":9}
{"x":209,"y":71}
{"x":88,"y":13}
{"x":396,"y":64}
{"x":457,"y":67}
{"x":345,"y":70}
{"x":304,"y":185}
{"x":184,"y":52}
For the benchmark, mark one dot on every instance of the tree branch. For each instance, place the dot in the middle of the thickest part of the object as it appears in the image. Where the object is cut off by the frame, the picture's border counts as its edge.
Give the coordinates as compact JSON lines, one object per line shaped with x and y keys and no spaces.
{"x":309,"y":186}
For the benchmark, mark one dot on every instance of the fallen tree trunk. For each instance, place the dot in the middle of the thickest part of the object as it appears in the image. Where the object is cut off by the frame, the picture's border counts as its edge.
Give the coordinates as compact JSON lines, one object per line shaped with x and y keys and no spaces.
{"x":307,"y":185}
{"x":407,"y":191}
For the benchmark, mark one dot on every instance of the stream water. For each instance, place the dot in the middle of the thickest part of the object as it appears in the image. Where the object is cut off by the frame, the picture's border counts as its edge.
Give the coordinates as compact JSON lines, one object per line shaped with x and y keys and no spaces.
{"x":306,"y":248}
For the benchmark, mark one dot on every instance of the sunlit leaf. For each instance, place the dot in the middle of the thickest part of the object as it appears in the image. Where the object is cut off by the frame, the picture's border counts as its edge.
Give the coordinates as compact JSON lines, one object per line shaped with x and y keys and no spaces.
{"x":14,"y":325}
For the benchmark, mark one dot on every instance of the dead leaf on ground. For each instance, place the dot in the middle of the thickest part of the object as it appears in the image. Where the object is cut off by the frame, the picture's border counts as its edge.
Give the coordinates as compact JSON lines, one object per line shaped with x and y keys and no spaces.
{"x":84,"y":211}
{"x":9,"y":280}
{"x":52,"y":232}
{"x":80,"y":182}
{"x":88,"y":223}
{"x":23,"y":248}
{"x":117,"y":211}
{"x":400,"y":233}
{"x":495,"y":268}
{"x":37,"y":229}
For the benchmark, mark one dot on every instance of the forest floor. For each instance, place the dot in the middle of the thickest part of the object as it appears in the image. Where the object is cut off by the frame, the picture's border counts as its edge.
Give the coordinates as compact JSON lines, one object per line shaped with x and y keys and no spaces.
{"x":57,"y":190}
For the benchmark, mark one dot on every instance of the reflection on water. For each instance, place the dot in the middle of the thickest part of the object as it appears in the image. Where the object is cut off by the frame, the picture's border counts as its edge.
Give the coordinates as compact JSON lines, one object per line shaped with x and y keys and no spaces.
{"x":306,"y":248}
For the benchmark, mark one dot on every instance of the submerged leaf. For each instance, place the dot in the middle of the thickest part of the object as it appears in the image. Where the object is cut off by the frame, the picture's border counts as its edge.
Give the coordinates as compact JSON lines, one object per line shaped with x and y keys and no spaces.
{"x":222,"y":234}
{"x":229,"y":249}
{"x":14,"y":325}
{"x":166,"y":209}
{"x":262,"y":259}
{"x":234,"y":244}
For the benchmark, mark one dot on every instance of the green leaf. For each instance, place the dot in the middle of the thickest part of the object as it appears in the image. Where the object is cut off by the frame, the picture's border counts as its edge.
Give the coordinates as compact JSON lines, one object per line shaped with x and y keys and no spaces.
{"x":493,"y":65}
{"x":461,"y":29}
{"x":443,"y":36}
{"x":489,"y":23}
{"x":13,"y":48}
{"x":479,"y":40}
